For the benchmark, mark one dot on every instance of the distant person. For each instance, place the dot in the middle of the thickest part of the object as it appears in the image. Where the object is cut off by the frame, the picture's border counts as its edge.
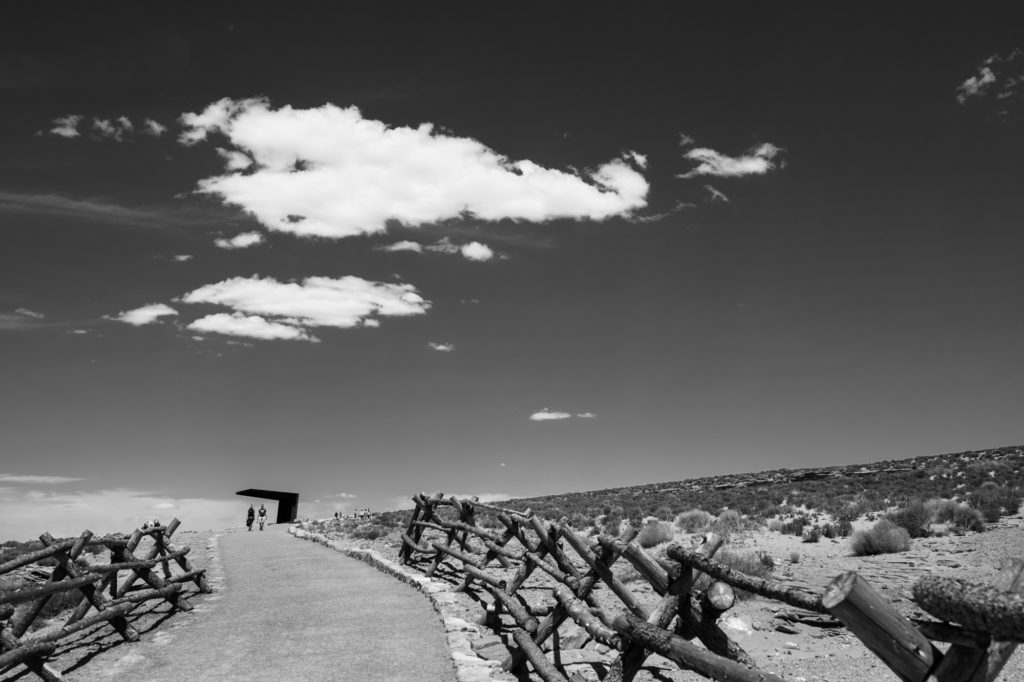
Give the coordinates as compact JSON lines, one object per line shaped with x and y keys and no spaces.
{"x":250,"y":517}
{"x":263,"y":516}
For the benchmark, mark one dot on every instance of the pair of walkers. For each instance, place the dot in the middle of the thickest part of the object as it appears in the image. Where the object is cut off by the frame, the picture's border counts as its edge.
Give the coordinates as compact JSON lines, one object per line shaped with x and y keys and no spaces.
{"x":253,"y":515}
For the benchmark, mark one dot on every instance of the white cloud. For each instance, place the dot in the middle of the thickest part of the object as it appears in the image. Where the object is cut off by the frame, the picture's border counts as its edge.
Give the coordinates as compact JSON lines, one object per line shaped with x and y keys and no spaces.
{"x":251,"y":326}
{"x":637,"y":158}
{"x":240,"y":241}
{"x":125,"y":124}
{"x":587,"y":415}
{"x":151,"y":127}
{"x":546,"y":415}
{"x":757,"y":161}
{"x":715,"y":194}
{"x":476,"y":251}
{"x":37,"y":480}
{"x":329,"y":172}
{"x":314,"y":302}
{"x":975,"y":85}
{"x":404,"y":245}
{"x":998,"y":76}
{"x":182,"y":257}
{"x":343,"y":495}
{"x":147,"y":314}
{"x":442,"y":347}
{"x":686,"y":140}
{"x":66,"y":126}
{"x":234,"y":161}
{"x":109,"y":129}
{"x":30,"y":313}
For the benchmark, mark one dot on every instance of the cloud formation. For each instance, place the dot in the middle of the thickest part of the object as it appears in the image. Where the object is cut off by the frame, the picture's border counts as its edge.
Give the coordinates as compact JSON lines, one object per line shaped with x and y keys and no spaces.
{"x":37,"y":480}
{"x":756,"y":161}
{"x":715,"y":195}
{"x":240,"y":241}
{"x":66,"y":126}
{"x":441,"y":347}
{"x":998,"y":78}
{"x":329,"y":172}
{"x":474,"y":251}
{"x":545,"y":415}
{"x":147,"y":314}
{"x":154,"y":128}
{"x":30,"y":313}
{"x":251,"y":326}
{"x":341,"y":303}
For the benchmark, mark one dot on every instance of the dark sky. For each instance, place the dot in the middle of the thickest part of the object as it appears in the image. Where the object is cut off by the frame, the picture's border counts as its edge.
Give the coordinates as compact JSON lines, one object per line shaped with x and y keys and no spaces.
{"x":835,"y":278}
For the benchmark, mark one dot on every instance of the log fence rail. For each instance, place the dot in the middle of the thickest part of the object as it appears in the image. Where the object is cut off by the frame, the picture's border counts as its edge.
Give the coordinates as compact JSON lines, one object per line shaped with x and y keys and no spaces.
{"x":109,"y":592}
{"x":984,"y":623}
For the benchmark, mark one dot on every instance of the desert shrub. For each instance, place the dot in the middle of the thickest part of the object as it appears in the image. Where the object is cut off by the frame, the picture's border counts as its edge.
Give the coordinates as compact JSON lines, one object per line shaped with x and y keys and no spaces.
{"x":728,"y":523}
{"x":966,"y":517}
{"x":885,"y":537}
{"x":794,"y":557}
{"x":914,"y":517}
{"x":795,"y":526}
{"x":693,"y":521}
{"x":991,"y":500}
{"x":811,"y":534}
{"x":369,"y":532}
{"x":664,"y":513}
{"x":829,"y":531}
{"x":580,"y":521}
{"x":612,"y":524}
{"x":844,"y":526}
{"x":940,"y":509}
{"x":776,"y":525}
{"x":758,"y":564}
{"x":653,"y":533}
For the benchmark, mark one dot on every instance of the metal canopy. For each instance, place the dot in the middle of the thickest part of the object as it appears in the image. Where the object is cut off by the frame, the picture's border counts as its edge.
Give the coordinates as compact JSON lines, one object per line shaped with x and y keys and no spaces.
{"x":287,"y":503}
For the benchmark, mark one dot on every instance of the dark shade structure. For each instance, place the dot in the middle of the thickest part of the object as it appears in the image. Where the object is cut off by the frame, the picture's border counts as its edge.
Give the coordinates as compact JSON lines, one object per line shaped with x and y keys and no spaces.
{"x":287,"y":503}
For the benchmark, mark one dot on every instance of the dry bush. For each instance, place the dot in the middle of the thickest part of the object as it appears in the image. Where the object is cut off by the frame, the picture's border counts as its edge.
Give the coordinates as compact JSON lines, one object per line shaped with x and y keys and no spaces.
{"x":653,"y":533}
{"x":776,"y":525}
{"x":693,"y":521}
{"x":885,"y":537}
{"x":758,"y":564}
{"x":966,"y":517}
{"x":728,"y":523}
{"x":940,"y":509}
{"x":914,"y":517}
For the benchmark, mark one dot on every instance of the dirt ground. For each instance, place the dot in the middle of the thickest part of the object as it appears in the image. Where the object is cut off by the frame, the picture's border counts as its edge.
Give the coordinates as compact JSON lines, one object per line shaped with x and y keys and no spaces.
{"x":794,"y":651}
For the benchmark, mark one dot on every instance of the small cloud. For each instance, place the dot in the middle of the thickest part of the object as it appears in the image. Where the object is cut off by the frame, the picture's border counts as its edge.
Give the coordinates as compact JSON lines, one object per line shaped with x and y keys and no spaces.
{"x":80,"y":332}
{"x":442,"y":347}
{"x":404,"y":245}
{"x":587,"y":415}
{"x":686,"y":140}
{"x":344,"y":496}
{"x":147,"y":314}
{"x":757,"y":161}
{"x":998,"y":78}
{"x":30,"y":313}
{"x":125,"y":124}
{"x":234,"y":161}
{"x":240,"y":241}
{"x":251,"y":326}
{"x":502,"y":464}
{"x":637,"y":158}
{"x":151,"y":127}
{"x":37,"y":480}
{"x":715,"y":194}
{"x":165,"y":505}
{"x":546,"y":415}
{"x":476,"y":251}
{"x":66,"y":126}
{"x":182,"y":257}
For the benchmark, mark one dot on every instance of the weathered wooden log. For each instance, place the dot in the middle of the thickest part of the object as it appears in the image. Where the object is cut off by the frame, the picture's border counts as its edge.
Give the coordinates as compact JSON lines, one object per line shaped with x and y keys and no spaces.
{"x":880,"y":627}
{"x":187,"y":576}
{"x":199,"y":578}
{"x":605,"y":573}
{"x":456,"y":554}
{"x":33,"y":661}
{"x":502,"y":551}
{"x":33,"y":557}
{"x":941,"y":631}
{"x":502,"y":510}
{"x":411,"y":545}
{"x":404,"y":553}
{"x":979,"y":607}
{"x":145,"y":595}
{"x":645,"y":565}
{"x":983,"y":663}
{"x":718,"y":598}
{"x":549,"y":538}
{"x":580,"y":613}
{"x":33,"y":593}
{"x":766,"y":588}
{"x":522,"y":616}
{"x":176,"y":599}
{"x":686,"y":655}
{"x":543,"y":667}
{"x":26,"y":652}
{"x":433,"y":526}
{"x":135,"y":565}
{"x":549,"y":568}
{"x":6,"y":611}
{"x":56,"y":633}
{"x":558,"y":615}
{"x":483,"y":576}
{"x":28,"y":612}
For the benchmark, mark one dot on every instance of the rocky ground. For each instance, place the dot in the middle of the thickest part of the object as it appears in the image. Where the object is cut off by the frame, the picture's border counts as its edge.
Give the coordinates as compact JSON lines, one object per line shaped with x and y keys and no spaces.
{"x":793,"y":650}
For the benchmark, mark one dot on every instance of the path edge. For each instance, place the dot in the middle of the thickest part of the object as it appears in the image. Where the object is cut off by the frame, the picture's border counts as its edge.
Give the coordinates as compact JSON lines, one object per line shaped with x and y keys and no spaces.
{"x":468,"y":666}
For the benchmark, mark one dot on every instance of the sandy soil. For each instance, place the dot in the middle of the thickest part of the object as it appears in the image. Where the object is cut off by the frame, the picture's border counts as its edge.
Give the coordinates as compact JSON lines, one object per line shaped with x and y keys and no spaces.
{"x":797,"y":651}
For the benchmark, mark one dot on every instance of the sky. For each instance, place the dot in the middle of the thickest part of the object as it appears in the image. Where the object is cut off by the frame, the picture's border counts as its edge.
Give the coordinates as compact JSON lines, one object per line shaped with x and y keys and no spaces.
{"x":496,"y":250}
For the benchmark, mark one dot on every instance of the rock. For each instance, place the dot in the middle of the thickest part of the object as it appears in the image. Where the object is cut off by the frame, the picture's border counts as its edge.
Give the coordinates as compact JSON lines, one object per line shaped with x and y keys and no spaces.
{"x":786,"y":629}
{"x":789,"y":644}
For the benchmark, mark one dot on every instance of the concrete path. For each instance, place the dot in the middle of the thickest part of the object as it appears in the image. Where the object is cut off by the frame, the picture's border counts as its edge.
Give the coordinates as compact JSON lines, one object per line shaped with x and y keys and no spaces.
{"x":295,"y":610}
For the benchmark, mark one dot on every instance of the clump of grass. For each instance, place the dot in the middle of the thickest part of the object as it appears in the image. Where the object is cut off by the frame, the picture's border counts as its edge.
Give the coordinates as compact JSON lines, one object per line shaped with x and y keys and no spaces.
{"x":811,"y":534}
{"x":369,"y":531}
{"x":775,"y":525}
{"x":794,"y":557}
{"x":885,"y":537}
{"x":612,"y":524}
{"x":992,"y":500}
{"x":728,"y":523}
{"x":654,"y":532}
{"x":940,"y":509}
{"x":693,"y":521}
{"x":758,"y":564}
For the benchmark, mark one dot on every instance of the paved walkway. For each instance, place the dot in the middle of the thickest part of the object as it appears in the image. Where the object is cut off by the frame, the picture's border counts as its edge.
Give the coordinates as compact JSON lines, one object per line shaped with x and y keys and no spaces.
{"x":295,"y":610}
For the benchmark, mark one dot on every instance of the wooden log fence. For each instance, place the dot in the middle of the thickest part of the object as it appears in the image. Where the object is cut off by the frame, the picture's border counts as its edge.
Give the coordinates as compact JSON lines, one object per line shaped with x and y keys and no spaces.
{"x":984,"y":623}
{"x":109,"y":592}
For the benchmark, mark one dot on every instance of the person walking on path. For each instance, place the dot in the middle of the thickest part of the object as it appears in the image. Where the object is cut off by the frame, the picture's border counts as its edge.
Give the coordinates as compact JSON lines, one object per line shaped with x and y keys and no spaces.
{"x":263,"y":516}
{"x":250,"y":517}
